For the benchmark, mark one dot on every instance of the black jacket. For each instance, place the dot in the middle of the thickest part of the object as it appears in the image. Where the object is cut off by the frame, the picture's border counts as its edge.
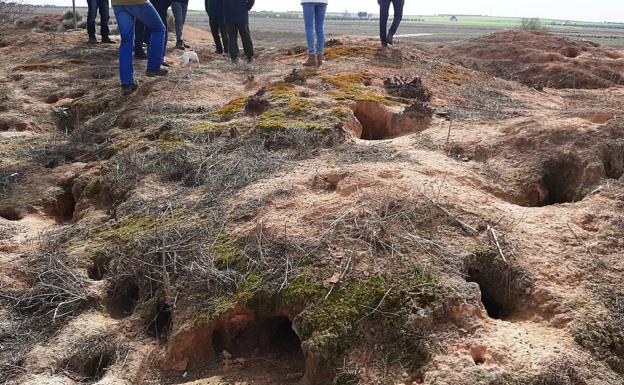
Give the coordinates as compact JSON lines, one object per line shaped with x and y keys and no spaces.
{"x":237,"y":11}
{"x":215,"y":8}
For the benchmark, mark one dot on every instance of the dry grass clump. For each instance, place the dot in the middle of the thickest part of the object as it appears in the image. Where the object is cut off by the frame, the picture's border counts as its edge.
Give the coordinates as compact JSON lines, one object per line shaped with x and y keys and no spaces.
{"x":16,"y":339}
{"x":89,"y":360}
{"x":56,"y":294}
{"x":604,"y":335}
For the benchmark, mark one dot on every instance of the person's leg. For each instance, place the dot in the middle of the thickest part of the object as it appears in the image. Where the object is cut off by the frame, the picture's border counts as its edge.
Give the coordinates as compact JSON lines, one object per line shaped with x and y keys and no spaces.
{"x":232,"y":30}
{"x":319,"y":25}
{"x":148,"y":16}
{"x":125,"y":22}
{"x":104,"y":20}
{"x":139,"y":39}
{"x":161,"y":7}
{"x":176,"y":8}
{"x":224,"y":36}
{"x":216,"y":34}
{"x":247,"y":42}
{"x":384,"y":10}
{"x":91,"y":14}
{"x":184,"y":13}
{"x":308,"y":20}
{"x":397,"y":5}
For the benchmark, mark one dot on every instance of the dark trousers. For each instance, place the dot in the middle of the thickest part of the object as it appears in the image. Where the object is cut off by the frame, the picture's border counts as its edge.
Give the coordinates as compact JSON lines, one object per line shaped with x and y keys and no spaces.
{"x":161,"y":7}
{"x":234,"y":29}
{"x":140,"y":36}
{"x":219,"y":33}
{"x":96,"y":6}
{"x":384,"y":11}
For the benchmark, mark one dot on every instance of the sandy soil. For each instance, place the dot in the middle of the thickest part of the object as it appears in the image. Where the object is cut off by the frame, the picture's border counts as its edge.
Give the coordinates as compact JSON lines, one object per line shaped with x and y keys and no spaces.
{"x":529,"y":179}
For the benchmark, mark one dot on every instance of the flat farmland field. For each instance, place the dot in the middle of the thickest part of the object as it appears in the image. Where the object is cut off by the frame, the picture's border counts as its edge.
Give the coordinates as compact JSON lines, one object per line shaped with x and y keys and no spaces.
{"x":273,"y":30}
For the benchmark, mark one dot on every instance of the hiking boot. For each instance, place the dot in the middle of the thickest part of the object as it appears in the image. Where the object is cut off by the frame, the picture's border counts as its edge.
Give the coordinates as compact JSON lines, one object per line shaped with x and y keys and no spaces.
{"x":319,"y":60}
{"x":127,"y":89}
{"x":180,"y":45}
{"x":158,"y":72}
{"x":311,"y":62}
{"x":92,"y":40}
{"x":390,"y":39}
{"x":107,"y":40}
{"x":140,"y":55}
{"x":185,"y":45}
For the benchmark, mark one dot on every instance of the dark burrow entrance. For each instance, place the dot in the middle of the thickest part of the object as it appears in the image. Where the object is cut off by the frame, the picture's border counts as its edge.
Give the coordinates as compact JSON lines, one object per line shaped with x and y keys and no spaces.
{"x":98,"y":268}
{"x":613,"y":161}
{"x":503,"y":287}
{"x":122,"y":299}
{"x":494,"y":296}
{"x":92,"y":359}
{"x":378,"y":122}
{"x":62,"y":207}
{"x":160,"y":324}
{"x":11,"y":214}
{"x":269,"y":336}
{"x":565,"y":178}
{"x":95,"y":367}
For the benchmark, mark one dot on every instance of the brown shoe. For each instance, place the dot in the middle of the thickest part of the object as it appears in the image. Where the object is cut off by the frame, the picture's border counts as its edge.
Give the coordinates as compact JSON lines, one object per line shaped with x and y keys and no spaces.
{"x":311,"y":62}
{"x":319,"y":60}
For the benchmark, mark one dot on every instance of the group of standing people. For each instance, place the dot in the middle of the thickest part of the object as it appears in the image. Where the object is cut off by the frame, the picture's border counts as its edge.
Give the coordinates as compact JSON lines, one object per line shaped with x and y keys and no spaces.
{"x":144,"y":22}
{"x":229,"y":19}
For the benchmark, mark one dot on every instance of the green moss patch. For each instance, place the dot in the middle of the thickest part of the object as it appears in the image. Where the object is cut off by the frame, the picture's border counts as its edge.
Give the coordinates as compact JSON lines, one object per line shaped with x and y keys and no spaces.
{"x":337,"y":323}
{"x":350,"y":86}
{"x":235,"y":106}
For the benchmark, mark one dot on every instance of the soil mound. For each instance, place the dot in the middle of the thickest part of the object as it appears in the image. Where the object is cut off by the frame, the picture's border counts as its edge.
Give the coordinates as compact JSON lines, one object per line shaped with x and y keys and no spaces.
{"x":540,"y":59}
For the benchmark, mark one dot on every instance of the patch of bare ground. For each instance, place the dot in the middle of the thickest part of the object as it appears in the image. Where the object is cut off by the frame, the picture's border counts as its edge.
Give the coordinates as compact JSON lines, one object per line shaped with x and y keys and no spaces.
{"x":388,"y":218}
{"x":540,"y":59}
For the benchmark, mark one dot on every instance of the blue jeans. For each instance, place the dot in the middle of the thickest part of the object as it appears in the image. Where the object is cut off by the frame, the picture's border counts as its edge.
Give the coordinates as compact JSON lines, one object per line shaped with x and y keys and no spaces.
{"x":126,"y":16}
{"x":94,"y":7}
{"x":314,"y":18}
{"x":179,"y":10}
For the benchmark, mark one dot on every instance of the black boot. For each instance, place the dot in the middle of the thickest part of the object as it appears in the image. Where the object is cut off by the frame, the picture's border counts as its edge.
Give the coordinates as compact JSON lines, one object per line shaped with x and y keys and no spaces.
{"x":159,"y":72}
{"x":127,"y":89}
{"x":140,"y":55}
{"x":180,"y":45}
{"x":107,"y":40}
{"x":92,"y":40}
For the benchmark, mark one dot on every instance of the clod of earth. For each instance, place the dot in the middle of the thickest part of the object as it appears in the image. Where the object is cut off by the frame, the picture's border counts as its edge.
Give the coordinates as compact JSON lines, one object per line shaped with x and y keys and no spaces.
{"x":409,"y":89}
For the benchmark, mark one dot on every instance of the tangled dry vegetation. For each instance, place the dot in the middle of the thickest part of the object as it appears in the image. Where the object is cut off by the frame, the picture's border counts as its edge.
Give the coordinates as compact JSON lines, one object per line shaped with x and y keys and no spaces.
{"x":390,"y":218}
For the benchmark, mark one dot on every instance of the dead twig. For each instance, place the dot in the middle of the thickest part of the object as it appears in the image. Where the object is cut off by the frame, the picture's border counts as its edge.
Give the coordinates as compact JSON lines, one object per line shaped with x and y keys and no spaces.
{"x":492,"y":234}
{"x":377,"y":307}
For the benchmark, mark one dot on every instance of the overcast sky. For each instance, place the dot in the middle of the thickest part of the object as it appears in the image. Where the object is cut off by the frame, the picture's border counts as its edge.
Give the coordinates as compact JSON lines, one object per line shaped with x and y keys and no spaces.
{"x":589,"y":10}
